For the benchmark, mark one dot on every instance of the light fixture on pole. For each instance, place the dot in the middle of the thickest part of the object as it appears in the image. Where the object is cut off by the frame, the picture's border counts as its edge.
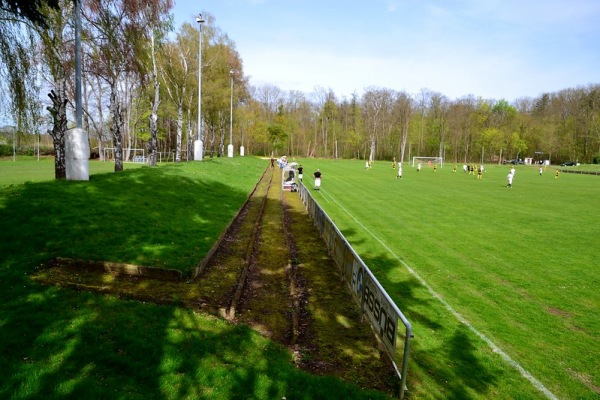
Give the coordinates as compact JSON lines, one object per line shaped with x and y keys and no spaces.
{"x":198,"y":144}
{"x":230,"y":147}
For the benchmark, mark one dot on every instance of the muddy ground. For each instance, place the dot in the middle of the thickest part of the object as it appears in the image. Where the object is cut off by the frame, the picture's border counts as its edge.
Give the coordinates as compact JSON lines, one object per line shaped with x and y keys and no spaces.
{"x":271,"y":271}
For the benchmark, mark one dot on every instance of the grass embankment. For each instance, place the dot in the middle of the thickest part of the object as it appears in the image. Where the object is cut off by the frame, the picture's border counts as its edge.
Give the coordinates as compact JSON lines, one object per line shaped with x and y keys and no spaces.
{"x":28,"y":169}
{"x":519,"y":265}
{"x":64,"y":343}
{"x":166,"y":217}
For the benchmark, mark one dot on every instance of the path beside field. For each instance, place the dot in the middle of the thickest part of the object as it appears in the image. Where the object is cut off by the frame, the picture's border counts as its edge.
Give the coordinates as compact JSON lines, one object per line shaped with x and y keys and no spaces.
{"x":288,"y":288}
{"x":271,"y":271}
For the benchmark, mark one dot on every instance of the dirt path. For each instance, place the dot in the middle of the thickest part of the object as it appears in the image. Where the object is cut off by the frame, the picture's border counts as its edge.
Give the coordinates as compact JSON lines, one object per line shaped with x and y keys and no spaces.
{"x":292,"y":292}
{"x":271,"y":271}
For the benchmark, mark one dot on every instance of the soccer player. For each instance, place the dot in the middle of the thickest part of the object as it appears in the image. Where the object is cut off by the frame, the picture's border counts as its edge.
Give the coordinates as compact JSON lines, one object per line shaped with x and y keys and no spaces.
{"x":510,"y":177}
{"x":317,"y":175}
{"x":399,"y":171}
{"x":454,"y":168}
{"x":557,"y":174}
{"x":480,"y":172}
{"x":300,"y":169}
{"x":418,"y":167}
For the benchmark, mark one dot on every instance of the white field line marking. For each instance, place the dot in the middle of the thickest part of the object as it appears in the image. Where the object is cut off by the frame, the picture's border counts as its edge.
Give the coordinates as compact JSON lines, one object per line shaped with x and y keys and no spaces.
{"x":526,"y":374}
{"x":324,"y":198}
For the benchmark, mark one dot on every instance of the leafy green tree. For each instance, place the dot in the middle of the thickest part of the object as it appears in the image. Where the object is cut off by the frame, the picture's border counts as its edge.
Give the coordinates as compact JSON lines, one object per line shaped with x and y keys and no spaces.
{"x":18,"y":73}
{"x":277,"y":136}
{"x":177,"y":74}
{"x":152,"y":24}
{"x":28,"y":10}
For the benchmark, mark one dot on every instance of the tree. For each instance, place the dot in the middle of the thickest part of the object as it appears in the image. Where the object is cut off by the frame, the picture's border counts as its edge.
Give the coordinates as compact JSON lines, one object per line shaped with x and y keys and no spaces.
{"x":377,"y":104}
{"x":460,"y":123}
{"x":439,"y":121}
{"x":57,"y":55}
{"x":277,"y":134}
{"x":177,"y":74}
{"x":29,"y":10}
{"x":114,"y":36}
{"x":402,"y":111}
{"x":148,"y":17}
{"x":17,"y":67}
{"x":219,"y":59}
{"x":329,"y":121}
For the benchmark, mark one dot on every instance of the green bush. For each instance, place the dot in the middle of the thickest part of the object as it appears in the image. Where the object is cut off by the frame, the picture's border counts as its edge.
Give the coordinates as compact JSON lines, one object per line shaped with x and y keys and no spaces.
{"x":5,"y":150}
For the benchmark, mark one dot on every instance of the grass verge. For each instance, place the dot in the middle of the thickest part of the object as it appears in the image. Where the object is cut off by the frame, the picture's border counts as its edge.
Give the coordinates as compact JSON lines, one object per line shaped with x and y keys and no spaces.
{"x":60,"y":343}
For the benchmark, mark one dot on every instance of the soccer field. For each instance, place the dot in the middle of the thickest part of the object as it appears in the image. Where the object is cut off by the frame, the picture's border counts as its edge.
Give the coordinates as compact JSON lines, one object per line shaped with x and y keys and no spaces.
{"x":499,"y":283}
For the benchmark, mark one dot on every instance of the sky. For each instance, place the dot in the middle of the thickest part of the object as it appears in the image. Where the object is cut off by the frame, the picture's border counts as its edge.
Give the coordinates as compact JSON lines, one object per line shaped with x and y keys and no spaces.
{"x":494,"y":49}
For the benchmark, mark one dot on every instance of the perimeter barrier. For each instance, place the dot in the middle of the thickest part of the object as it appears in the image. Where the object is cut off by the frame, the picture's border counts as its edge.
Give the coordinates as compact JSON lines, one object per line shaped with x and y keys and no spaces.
{"x":382,"y":313}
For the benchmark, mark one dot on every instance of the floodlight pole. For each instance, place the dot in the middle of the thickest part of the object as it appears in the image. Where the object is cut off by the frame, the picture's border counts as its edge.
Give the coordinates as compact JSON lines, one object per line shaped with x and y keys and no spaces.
{"x":198,"y":144}
{"x":230,"y":147}
{"x":78,"y":103}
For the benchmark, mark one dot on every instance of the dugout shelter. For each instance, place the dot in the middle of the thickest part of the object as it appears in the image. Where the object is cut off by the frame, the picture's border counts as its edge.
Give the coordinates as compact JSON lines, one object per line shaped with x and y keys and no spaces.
{"x":289,"y":176}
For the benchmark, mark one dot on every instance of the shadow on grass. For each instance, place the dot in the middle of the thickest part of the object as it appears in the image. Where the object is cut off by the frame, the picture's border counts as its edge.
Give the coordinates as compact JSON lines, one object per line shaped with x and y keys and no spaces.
{"x":151,"y":217}
{"x":60,"y":343}
{"x":445,"y":350}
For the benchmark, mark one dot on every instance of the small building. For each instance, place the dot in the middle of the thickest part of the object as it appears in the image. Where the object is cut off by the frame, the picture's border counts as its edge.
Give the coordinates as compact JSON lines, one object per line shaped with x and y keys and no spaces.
{"x":289,"y":177}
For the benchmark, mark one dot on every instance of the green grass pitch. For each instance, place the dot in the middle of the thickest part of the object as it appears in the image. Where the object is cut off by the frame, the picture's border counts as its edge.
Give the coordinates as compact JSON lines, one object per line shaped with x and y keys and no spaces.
{"x":498,"y":282}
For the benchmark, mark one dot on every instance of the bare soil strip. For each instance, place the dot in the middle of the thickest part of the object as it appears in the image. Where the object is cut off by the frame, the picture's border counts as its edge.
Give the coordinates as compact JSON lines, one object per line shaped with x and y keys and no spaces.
{"x":271,"y":271}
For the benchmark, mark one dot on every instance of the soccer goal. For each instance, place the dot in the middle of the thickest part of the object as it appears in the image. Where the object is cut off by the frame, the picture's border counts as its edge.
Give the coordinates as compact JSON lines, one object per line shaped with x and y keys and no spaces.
{"x":428,"y":161}
{"x":135,"y":155}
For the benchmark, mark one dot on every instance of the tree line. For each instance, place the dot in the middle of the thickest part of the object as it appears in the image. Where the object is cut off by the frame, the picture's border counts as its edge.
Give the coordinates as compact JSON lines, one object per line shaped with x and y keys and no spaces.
{"x":140,"y":90}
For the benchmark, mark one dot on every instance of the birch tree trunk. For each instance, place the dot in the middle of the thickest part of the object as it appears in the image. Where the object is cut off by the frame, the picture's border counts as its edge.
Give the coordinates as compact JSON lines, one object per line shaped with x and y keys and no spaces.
{"x":117,"y":127}
{"x":179,"y":132}
{"x":100,"y":119}
{"x":152,"y":146}
{"x":58,"y":111}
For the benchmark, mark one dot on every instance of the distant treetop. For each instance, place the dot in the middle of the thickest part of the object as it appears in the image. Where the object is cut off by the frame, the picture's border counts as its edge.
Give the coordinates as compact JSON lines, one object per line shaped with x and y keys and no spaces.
{"x":28,"y":9}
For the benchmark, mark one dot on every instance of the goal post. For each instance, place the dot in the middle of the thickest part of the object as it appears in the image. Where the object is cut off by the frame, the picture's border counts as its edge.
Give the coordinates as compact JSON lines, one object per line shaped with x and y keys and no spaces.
{"x":135,"y":155}
{"x":428,"y":161}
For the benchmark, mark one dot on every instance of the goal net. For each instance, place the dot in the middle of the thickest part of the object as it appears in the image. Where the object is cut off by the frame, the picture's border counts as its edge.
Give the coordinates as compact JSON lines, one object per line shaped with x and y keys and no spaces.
{"x":129,"y":155}
{"x":428,"y":161}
